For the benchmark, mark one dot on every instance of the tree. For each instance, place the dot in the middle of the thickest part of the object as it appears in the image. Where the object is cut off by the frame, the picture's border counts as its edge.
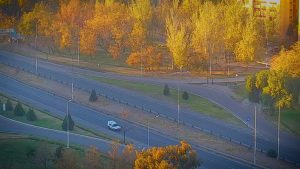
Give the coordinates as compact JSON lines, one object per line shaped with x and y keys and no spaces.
{"x":166,"y":90}
{"x":207,"y":33}
{"x":69,"y":159}
{"x":93,"y":96}
{"x":92,"y":158}
{"x":149,"y":56}
{"x":19,"y":111}
{"x":177,"y":41}
{"x":246,"y":49}
{"x":185,"y":95}
{"x":288,"y":61}
{"x":58,"y":153}
{"x":68,"y":121}
{"x":114,"y":154}
{"x":128,"y":156}
{"x":43,"y":156}
{"x":31,"y":115}
{"x":9,"y":106}
{"x":178,"y":156}
{"x":253,"y":92}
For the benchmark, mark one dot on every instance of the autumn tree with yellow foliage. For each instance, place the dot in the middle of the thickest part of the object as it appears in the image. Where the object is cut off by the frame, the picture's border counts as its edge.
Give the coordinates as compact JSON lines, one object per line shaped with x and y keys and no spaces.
{"x":169,"y":157}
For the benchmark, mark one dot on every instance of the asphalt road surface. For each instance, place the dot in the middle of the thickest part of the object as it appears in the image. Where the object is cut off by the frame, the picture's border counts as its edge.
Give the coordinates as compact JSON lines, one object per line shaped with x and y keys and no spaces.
{"x":289,"y":147}
{"x":89,"y":118}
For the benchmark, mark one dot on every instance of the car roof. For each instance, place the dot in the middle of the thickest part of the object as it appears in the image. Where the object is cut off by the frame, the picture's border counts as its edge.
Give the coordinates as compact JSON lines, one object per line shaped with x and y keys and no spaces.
{"x":111,"y":121}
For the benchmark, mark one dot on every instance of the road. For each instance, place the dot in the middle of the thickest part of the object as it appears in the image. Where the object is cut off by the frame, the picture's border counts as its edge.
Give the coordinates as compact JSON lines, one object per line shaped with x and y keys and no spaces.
{"x":290,"y":145}
{"x":89,"y":118}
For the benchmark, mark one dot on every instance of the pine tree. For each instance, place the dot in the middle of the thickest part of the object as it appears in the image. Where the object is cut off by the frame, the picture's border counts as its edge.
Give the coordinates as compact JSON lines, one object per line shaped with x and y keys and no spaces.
{"x":166,"y":90}
{"x":31,"y":115}
{"x":65,"y":123}
{"x":185,"y":95}
{"x":19,"y":111}
{"x":93,"y":96}
{"x":9,"y":106}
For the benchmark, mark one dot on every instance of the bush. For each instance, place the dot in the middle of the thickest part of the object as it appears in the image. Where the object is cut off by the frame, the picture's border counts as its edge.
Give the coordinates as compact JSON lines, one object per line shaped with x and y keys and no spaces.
{"x":19,"y":111}
{"x":58,"y":152}
{"x":166,"y":90}
{"x":93,"y":96}
{"x":31,"y":115}
{"x":185,"y":95}
{"x":65,"y":123}
{"x":272,"y":153}
{"x":9,"y":106}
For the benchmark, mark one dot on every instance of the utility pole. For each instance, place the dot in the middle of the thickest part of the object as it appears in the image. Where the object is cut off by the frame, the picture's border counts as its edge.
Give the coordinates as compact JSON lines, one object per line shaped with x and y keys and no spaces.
{"x":68,"y":136}
{"x":78,"y":49}
{"x":35,"y":41}
{"x":254,"y":158}
{"x":278,"y":134}
{"x":72,"y":90}
{"x":36,"y":65}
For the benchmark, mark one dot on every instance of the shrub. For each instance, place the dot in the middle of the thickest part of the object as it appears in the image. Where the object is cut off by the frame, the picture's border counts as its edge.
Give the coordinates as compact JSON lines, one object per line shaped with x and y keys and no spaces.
{"x":58,"y":152}
{"x":166,"y":90}
{"x":93,"y":96}
{"x":272,"y":153}
{"x":185,"y":95}
{"x":30,"y":152}
{"x":9,"y":106}
{"x":19,"y":111}
{"x":65,"y":123}
{"x":31,"y":115}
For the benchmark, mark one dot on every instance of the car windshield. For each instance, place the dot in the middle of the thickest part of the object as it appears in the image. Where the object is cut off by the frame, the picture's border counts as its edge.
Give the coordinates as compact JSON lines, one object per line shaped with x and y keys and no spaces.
{"x":115,"y":125}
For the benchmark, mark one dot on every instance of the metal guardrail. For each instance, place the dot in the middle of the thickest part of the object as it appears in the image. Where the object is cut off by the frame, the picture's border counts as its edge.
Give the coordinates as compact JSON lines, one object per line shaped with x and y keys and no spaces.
{"x":207,"y":131}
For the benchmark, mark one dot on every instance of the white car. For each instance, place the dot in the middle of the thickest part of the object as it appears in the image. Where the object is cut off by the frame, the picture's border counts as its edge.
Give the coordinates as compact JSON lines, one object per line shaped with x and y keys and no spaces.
{"x":113,"y":125}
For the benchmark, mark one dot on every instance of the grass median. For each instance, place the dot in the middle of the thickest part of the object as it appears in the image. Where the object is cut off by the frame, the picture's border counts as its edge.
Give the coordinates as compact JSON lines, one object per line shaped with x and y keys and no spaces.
{"x":46,"y":120}
{"x":194,"y":102}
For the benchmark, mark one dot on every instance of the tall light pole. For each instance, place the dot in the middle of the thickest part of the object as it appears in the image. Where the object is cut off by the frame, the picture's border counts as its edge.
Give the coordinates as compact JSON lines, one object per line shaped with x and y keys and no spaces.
{"x":78,"y":49}
{"x":148,"y":130}
{"x":178,"y":108}
{"x":278,"y":133}
{"x":36,"y":65}
{"x":68,"y":133}
{"x":254,"y":156}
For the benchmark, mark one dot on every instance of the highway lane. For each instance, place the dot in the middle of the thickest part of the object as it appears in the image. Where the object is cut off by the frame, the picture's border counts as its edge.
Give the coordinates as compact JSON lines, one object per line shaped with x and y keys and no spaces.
{"x":61,"y":73}
{"x":93,"y":119}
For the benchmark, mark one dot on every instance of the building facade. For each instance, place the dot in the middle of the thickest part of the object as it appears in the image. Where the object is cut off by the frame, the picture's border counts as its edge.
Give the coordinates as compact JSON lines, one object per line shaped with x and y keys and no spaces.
{"x":289,"y":15}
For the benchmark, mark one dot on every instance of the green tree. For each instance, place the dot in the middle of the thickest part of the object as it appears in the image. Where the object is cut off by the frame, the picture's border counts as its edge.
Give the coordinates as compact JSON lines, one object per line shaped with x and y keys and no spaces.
{"x":9,"y":106}
{"x":68,"y":122}
{"x":166,"y":90}
{"x":253,"y":92}
{"x":19,"y":111}
{"x":31,"y":116}
{"x":93,"y":96}
{"x":185,"y":95}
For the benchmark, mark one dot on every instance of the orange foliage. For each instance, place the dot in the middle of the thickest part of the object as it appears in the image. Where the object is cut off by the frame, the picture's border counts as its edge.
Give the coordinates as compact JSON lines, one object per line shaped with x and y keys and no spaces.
{"x":170,"y":157}
{"x":149,"y":56}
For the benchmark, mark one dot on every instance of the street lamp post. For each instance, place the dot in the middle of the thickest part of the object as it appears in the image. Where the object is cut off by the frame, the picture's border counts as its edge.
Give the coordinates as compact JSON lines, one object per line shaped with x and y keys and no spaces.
{"x":148,"y":131}
{"x":68,"y":133}
{"x":254,"y":157}
{"x":278,"y":133}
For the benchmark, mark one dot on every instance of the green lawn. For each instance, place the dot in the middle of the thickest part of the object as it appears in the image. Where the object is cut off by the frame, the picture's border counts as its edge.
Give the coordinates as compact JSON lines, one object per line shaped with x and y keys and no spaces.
{"x":290,"y":119}
{"x":46,"y":120}
{"x":196,"y":103}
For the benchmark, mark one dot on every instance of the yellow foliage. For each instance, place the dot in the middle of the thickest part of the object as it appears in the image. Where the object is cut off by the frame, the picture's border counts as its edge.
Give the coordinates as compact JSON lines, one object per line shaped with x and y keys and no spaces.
{"x":288,"y":61}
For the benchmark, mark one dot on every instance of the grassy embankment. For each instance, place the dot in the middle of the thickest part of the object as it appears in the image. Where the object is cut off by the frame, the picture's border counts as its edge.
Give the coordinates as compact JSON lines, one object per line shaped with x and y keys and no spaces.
{"x":194,"y":102}
{"x":44,"y":119}
{"x":15,"y":149}
{"x":289,"y":118}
